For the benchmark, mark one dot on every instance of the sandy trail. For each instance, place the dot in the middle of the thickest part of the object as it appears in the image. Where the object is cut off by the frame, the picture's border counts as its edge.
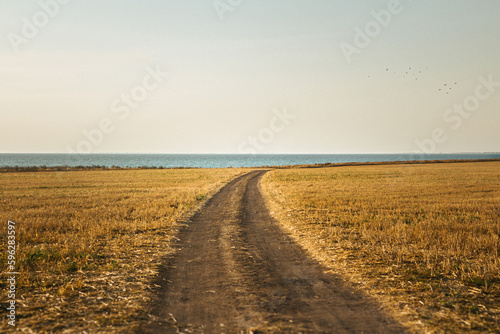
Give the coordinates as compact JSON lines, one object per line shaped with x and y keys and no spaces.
{"x":236,"y":271}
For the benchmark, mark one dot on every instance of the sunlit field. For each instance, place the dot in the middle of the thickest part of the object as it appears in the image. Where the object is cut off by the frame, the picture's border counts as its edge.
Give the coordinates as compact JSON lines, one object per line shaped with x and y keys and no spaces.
{"x":423,"y":239}
{"x":90,"y":242}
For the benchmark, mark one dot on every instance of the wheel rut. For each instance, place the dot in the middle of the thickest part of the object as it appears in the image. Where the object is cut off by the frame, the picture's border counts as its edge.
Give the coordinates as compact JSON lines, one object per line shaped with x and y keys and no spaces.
{"x":236,"y":271}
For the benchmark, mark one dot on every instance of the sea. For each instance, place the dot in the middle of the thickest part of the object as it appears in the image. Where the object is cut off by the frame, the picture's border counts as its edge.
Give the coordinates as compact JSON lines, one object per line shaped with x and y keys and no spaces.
{"x":215,"y":160}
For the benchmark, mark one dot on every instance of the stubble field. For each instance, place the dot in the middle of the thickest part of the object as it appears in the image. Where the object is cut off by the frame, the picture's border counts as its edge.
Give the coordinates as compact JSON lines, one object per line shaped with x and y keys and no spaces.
{"x":90,"y":242}
{"x":424,"y":239}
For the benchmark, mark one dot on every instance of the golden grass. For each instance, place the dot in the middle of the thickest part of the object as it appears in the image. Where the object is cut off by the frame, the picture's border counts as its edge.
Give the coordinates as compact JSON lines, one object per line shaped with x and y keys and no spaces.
{"x":423,"y":239}
{"x":90,"y":242}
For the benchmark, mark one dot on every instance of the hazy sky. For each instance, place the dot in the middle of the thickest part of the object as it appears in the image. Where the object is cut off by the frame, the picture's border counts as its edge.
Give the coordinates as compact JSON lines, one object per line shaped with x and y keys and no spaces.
{"x":89,"y":76}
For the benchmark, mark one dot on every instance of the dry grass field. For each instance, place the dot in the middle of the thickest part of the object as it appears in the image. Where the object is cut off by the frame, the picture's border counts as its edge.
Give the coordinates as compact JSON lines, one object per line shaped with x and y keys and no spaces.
{"x":423,"y":239}
{"x":89,"y":242}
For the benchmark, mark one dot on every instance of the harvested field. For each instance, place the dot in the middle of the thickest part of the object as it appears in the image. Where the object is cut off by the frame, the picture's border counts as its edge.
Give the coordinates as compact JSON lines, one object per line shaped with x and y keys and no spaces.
{"x":424,"y":239}
{"x":90,"y":242}
{"x":97,"y":246}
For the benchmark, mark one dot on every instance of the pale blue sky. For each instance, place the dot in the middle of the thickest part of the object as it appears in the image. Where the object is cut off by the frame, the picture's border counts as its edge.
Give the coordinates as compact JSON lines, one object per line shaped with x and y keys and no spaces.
{"x":227,"y":77}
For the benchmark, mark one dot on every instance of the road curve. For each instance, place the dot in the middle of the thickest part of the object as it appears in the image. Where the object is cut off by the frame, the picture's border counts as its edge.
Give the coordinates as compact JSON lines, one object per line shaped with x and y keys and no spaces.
{"x":236,"y":271}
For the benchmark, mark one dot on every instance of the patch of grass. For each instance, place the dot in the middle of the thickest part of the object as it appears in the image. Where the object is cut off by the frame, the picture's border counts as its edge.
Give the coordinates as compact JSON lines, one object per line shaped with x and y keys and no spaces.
{"x":201,"y":197}
{"x":412,"y":235}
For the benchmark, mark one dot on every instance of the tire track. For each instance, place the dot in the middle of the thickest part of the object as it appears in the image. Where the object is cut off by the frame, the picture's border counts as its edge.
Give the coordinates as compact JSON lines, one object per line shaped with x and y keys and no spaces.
{"x":235,"y":270}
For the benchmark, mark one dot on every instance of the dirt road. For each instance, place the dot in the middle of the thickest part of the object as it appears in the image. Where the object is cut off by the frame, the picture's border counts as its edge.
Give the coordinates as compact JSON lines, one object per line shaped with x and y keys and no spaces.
{"x":236,"y":271}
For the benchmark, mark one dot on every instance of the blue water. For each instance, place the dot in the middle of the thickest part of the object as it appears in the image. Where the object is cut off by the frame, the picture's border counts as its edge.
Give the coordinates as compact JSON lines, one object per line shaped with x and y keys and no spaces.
{"x":215,"y":160}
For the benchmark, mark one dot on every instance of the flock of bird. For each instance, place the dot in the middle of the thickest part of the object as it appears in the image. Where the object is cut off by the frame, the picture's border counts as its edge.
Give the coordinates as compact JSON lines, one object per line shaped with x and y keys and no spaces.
{"x":410,"y":72}
{"x":447,"y":87}
{"x":413,"y":73}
